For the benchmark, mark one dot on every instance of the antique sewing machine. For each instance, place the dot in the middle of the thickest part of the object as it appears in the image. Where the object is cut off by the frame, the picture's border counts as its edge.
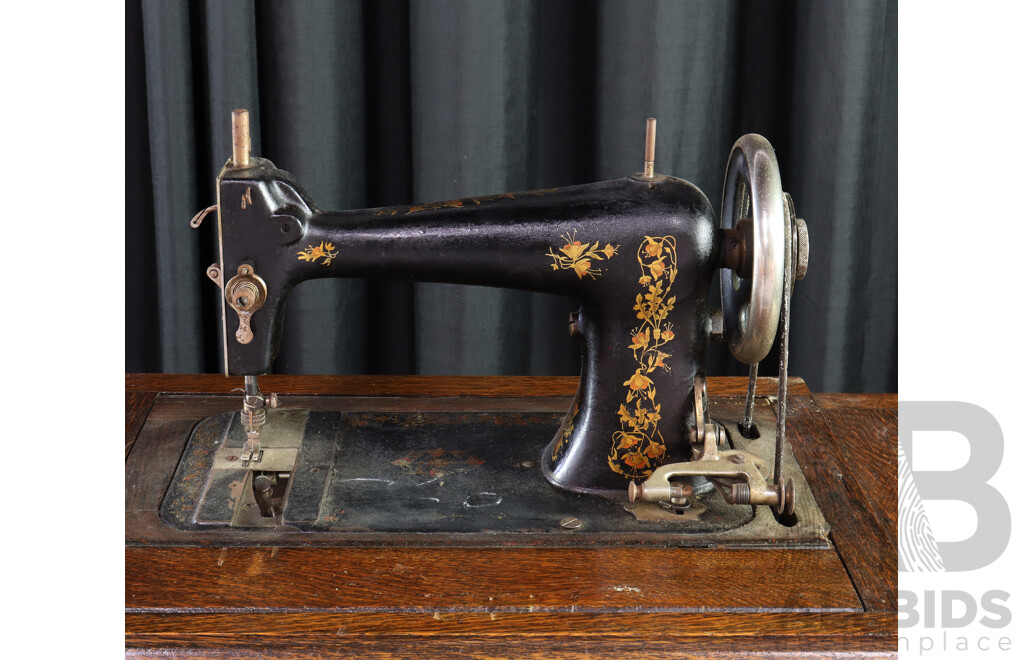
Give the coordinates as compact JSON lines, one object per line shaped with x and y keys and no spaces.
{"x":640,"y":455}
{"x":652,"y":513}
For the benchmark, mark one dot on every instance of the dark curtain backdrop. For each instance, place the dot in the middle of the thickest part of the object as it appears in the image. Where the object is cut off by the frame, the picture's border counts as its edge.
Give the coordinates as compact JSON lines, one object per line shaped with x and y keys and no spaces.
{"x":390,"y":102}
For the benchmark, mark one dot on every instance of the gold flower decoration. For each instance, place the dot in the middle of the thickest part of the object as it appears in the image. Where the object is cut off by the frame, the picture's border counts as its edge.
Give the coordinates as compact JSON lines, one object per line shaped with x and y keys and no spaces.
{"x":579,"y":257}
{"x":325,"y":251}
{"x":639,"y":447}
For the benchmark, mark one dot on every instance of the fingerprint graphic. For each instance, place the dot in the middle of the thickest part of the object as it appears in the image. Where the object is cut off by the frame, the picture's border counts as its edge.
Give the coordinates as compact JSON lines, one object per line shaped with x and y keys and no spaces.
{"x":918,"y":550}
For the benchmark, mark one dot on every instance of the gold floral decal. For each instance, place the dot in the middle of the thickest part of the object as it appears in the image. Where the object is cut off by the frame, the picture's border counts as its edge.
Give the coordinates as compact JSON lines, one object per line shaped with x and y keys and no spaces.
{"x":311,"y":253}
{"x":566,"y":432}
{"x":639,"y":447}
{"x":578,"y":256}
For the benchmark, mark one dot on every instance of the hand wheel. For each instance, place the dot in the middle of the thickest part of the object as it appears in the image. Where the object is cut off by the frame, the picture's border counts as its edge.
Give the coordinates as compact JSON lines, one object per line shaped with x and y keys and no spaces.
{"x":752,"y":201}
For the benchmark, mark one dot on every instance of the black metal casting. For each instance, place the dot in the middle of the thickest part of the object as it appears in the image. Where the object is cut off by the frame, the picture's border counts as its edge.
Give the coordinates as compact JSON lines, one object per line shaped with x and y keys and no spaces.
{"x":638,"y":254}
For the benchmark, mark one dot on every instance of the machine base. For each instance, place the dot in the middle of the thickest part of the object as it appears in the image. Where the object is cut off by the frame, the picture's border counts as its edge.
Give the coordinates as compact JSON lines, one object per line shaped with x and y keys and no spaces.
{"x":442,"y":478}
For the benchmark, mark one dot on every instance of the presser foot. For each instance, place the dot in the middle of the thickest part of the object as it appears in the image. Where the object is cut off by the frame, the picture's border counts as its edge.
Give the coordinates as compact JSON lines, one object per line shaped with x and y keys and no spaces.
{"x":251,"y":454}
{"x":254,"y":416}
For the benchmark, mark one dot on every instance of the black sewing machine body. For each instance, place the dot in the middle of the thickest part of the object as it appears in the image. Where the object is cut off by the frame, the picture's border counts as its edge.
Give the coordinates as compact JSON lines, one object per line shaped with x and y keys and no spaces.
{"x":638,"y":254}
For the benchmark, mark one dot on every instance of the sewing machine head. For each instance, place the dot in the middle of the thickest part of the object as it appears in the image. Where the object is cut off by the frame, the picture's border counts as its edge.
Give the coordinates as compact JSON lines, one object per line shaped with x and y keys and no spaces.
{"x":639,"y":253}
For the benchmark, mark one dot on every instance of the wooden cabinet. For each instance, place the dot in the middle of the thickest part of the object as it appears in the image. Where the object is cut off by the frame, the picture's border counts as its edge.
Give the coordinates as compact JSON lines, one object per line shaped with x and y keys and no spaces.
{"x":294,"y":600}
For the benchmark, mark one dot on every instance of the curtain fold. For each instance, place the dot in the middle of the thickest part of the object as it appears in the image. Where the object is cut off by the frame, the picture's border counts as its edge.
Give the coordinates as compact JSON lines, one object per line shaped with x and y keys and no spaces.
{"x":172,"y":151}
{"x":312,"y":94}
{"x":398,"y":101}
{"x":844,"y":113}
{"x":473,"y":134}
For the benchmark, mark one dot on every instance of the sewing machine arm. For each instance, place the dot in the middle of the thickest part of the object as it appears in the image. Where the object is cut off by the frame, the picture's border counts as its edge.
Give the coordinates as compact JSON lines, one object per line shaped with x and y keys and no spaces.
{"x":639,"y":253}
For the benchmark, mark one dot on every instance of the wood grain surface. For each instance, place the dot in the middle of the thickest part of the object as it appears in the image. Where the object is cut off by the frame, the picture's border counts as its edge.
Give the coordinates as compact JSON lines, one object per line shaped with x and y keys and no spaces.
{"x":505,"y":635}
{"x":830,"y":401}
{"x":137,"y":405}
{"x":853,"y":466}
{"x":491,"y":579}
{"x":289,"y":602}
{"x":541,"y":647}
